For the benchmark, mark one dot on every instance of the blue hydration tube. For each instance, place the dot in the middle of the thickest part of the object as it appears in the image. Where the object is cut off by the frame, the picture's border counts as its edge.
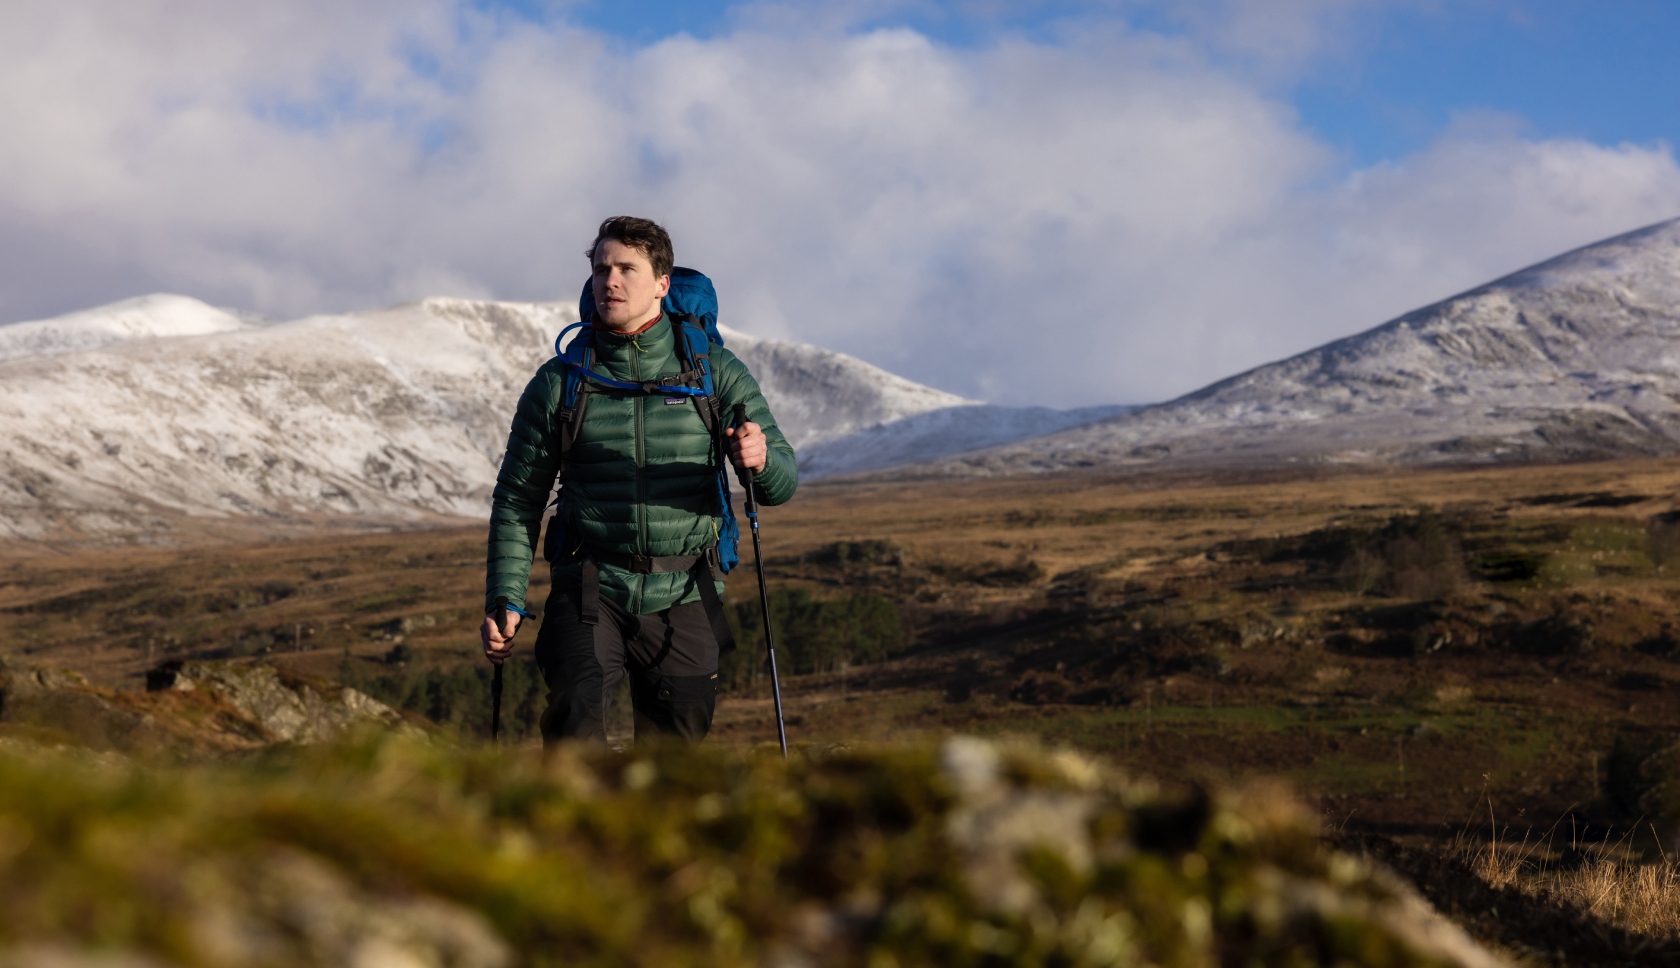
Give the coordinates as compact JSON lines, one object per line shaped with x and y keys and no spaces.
{"x":593,"y":377}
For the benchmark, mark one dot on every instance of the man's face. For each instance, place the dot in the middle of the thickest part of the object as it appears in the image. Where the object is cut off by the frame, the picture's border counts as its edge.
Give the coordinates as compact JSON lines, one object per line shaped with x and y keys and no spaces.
{"x":627,"y":293}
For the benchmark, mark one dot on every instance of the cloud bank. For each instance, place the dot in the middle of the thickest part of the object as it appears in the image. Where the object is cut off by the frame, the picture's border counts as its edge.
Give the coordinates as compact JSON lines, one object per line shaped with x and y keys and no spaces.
{"x":1109,"y":215}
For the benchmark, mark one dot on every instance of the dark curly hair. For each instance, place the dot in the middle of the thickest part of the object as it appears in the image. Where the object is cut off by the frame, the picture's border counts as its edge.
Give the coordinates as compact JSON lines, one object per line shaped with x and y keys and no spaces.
{"x":637,"y":233}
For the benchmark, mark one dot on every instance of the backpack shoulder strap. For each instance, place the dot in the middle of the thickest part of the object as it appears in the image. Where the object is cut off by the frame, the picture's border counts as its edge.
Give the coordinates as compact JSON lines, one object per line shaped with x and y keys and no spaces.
{"x":574,"y":396}
{"x":695,"y":350}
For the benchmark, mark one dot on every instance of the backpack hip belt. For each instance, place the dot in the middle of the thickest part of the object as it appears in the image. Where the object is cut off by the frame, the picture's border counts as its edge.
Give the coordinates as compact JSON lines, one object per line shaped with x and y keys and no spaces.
{"x":645,"y":564}
{"x":706,"y":568}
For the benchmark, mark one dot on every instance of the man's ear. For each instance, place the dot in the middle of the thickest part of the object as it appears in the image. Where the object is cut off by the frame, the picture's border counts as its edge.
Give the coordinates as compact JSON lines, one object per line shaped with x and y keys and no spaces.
{"x":664,"y":286}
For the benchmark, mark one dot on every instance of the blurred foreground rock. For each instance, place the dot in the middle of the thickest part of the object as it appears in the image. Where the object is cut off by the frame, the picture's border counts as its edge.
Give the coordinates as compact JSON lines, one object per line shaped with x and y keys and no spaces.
{"x":388,"y":852}
{"x":189,"y":707}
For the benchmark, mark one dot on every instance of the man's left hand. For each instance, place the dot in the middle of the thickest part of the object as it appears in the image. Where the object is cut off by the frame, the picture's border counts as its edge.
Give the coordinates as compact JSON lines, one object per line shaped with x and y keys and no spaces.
{"x":747,"y":446}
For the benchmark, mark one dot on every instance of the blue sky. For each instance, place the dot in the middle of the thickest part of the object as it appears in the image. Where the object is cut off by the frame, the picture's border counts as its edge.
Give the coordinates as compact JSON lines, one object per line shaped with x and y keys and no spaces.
{"x":1605,"y":71}
{"x":1135,"y":197}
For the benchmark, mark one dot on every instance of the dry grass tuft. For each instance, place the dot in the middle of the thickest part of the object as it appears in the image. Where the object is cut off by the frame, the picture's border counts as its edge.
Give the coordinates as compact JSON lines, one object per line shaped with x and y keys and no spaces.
{"x":1609,"y":885}
{"x":1640,"y":897}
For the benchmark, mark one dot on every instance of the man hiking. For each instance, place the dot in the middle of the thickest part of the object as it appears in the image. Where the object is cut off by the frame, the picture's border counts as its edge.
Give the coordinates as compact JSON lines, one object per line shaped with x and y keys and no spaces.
{"x":638,"y":450}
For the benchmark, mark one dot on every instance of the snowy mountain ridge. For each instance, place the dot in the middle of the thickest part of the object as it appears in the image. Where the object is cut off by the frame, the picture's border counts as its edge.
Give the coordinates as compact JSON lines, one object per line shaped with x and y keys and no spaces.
{"x":1576,"y":357}
{"x":156,"y":316}
{"x":130,"y":418}
{"x":394,"y":414}
{"x":126,"y":418}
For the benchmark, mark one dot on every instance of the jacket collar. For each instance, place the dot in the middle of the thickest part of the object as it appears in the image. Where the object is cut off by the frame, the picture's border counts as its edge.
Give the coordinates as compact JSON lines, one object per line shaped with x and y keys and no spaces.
{"x":654,"y":339}
{"x":597,"y":327}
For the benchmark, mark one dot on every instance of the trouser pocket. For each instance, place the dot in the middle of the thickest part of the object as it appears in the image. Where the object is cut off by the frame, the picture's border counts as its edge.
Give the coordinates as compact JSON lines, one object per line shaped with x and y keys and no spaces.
{"x":673,"y":705}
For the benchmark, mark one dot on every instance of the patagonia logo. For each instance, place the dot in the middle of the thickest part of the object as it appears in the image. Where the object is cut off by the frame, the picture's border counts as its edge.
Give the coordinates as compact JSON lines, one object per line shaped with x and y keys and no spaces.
{"x":675,"y":401}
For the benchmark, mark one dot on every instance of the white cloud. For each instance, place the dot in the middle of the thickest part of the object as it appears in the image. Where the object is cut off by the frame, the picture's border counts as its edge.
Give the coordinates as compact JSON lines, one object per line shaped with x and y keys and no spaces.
{"x":1111,"y":219}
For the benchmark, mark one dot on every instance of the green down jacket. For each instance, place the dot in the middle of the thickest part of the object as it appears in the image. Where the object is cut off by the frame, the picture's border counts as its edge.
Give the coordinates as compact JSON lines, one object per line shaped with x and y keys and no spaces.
{"x":641,"y":477}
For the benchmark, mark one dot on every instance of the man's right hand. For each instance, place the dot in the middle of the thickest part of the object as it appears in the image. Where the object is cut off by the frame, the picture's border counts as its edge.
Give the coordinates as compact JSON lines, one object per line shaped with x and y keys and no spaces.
{"x":498,"y":642}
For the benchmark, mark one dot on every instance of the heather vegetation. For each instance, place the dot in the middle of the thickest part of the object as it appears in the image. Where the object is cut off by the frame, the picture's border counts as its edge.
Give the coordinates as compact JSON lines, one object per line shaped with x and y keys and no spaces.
{"x":811,"y":634}
{"x":455,"y":696}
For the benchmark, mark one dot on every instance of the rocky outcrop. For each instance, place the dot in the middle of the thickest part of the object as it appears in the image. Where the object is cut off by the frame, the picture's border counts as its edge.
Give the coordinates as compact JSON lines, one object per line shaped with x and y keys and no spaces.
{"x":188,"y":707}
{"x":287,"y":707}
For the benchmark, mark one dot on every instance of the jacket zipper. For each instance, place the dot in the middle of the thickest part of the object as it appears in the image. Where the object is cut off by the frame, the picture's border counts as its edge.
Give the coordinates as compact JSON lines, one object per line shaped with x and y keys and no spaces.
{"x":641,"y":458}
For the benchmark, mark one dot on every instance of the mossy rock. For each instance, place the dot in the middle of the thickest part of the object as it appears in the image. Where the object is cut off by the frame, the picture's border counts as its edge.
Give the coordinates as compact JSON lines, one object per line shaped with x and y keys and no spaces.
{"x":390,"y":850}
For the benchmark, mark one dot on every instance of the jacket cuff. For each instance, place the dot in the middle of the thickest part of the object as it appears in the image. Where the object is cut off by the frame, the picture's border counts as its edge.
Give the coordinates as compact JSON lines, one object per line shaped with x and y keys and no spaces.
{"x":776,"y":483}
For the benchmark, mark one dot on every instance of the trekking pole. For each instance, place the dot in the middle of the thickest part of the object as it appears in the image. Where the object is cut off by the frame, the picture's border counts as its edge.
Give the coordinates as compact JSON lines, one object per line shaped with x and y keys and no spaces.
{"x":502,"y":610}
{"x":763,"y":593}
{"x":496,"y":702}
{"x":496,"y":683}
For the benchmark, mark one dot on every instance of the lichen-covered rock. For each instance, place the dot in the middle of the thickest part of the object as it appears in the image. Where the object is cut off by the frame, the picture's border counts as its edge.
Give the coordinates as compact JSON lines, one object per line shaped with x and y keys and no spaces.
{"x":189,"y":708}
{"x":390,"y":852}
{"x":290,"y":708}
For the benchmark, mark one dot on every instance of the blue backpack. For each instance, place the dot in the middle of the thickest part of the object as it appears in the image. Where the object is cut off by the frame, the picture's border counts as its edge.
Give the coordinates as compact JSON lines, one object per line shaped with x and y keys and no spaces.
{"x":691,"y":305}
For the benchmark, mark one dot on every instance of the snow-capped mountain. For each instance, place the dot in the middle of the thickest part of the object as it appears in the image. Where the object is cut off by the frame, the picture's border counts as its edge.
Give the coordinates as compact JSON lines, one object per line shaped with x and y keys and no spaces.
{"x":129,"y":417}
{"x":1576,"y":357}
{"x":157,"y":315}
{"x":390,"y":414}
{"x":123,"y":418}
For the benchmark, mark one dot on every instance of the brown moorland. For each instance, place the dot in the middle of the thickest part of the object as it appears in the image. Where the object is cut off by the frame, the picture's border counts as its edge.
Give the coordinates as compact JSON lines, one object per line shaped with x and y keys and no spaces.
{"x":1409,"y":648}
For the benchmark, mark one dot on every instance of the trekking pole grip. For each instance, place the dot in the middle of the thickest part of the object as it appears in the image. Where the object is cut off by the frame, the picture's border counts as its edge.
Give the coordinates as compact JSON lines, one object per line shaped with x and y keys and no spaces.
{"x":747,"y":474}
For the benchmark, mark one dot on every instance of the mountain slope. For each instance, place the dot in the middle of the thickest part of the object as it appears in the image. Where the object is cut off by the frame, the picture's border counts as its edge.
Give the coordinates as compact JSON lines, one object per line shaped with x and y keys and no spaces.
{"x":940,"y":433}
{"x":157,"y":315}
{"x":390,"y":414}
{"x":126,"y":418}
{"x":1577,"y":357}
{"x":819,"y":395}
